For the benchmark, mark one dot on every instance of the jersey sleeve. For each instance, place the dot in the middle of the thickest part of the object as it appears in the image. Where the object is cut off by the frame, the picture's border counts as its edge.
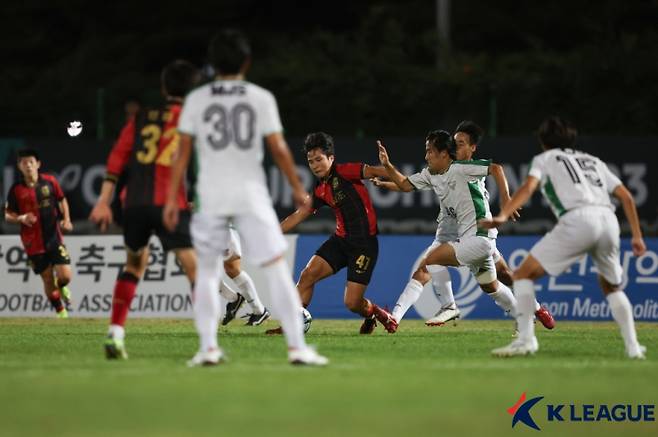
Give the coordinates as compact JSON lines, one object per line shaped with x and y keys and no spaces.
{"x":537,"y":167}
{"x":271,"y":122}
{"x":352,"y":171}
{"x":317,"y":203}
{"x":120,"y":154}
{"x":186,"y":120}
{"x":59,"y":194}
{"x":610,"y":179}
{"x":474,"y":167}
{"x":421,"y":180}
{"x":12,"y":201}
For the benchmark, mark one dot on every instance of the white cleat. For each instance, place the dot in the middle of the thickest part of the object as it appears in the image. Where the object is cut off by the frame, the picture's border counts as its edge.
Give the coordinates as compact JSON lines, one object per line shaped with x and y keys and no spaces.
{"x":517,"y":348}
{"x":637,"y":352}
{"x":306,"y":357}
{"x":206,"y":358}
{"x":444,"y":315}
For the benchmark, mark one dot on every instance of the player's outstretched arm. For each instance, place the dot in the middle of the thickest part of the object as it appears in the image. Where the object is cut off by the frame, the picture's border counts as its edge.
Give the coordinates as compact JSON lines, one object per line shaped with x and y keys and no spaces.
{"x":66,"y":216}
{"x":519,"y":199}
{"x":387,"y":185}
{"x":391,"y":172}
{"x":101,"y":214}
{"x":283,"y":159}
{"x":295,"y":218}
{"x":178,"y":169}
{"x":628,"y":204}
{"x":498,"y":173}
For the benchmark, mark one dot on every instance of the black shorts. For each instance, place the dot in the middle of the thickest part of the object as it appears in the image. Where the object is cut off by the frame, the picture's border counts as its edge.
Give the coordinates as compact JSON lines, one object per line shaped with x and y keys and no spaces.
{"x":359,"y":258}
{"x":42,"y":261}
{"x":140,"y":222}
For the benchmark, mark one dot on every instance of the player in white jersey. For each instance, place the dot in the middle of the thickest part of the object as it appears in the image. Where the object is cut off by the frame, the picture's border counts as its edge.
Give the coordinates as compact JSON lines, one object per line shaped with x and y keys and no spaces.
{"x":578,"y":187}
{"x":463,"y":199}
{"x":466,"y":139}
{"x":226,"y":121}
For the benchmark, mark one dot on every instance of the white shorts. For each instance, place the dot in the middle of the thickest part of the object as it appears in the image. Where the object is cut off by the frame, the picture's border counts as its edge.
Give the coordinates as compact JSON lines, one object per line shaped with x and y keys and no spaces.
{"x":589,"y":230}
{"x":261,"y":235}
{"x":476,"y":253}
{"x":234,"y":246}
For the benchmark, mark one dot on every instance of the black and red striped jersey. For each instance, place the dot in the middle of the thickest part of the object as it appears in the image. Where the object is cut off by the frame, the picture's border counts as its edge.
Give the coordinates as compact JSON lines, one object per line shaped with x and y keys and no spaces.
{"x":343,"y":190}
{"x":42,"y":200}
{"x":145,"y":149}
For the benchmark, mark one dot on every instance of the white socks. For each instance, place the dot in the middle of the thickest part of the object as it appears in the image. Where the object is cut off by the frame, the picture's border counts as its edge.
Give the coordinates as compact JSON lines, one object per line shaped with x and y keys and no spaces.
{"x":525,"y":298}
{"x":442,"y":284}
{"x":227,"y":292}
{"x":207,"y":301}
{"x":248,"y":289}
{"x":622,"y":312}
{"x":408,"y":297}
{"x":117,"y":332}
{"x":286,"y":305}
{"x":505,"y":299}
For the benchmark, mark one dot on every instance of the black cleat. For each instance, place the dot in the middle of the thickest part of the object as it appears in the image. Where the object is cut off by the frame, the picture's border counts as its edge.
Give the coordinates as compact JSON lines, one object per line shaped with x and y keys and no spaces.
{"x":232,"y":309}
{"x":257,"y":319}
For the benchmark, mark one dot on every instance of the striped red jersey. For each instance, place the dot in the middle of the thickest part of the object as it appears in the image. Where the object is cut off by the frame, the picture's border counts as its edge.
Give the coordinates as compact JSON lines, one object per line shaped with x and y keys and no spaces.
{"x":343,"y":190}
{"x":145,"y":149}
{"x":42,"y":200}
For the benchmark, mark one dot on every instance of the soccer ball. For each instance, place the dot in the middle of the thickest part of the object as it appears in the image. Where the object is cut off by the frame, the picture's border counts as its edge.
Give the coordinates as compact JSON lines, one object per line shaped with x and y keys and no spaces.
{"x":307,"y":318}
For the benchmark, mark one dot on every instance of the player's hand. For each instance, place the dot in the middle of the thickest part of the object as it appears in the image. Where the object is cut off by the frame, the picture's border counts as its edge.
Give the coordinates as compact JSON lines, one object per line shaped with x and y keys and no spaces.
{"x":28,"y":219}
{"x":66,"y":225}
{"x":170,"y":216}
{"x":301,"y":198}
{"x":377,"y":182}
{"x":383,"y":154}
{"x":638,"y":246}
{"x":101,"y":215}
{"x":495,"y":222}
{"x":515,"y":214}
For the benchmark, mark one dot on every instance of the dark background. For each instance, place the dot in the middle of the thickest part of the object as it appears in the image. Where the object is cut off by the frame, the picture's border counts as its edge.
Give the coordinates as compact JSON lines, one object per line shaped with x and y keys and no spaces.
{"x":359,"y":70}
{"x":352,"y":68}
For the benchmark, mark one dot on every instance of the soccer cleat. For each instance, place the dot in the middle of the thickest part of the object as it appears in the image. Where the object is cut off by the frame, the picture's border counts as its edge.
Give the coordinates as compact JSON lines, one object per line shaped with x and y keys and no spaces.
{"x":444,"y":315}
{"x":517,"y":348}
{"x":386,"y":319}
{"x":63,"y":314}
{"x":257,"y":319}
{"x":274,"y":331}
{"x":637,"y":353}
{"x":115,"y":349}
{"x":368,"y":325}
{"x":545,"y":317}
{"x":232,"y":309}
{"x":66,"y":295}
{"x":306,"y":357}
{"x":207,"y":358}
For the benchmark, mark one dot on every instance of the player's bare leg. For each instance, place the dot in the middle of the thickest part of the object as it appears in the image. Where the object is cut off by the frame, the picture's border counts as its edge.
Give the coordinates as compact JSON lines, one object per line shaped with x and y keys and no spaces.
{"x":62,"y":279}
{"x":124,"y":292}
{"x":524,"y":277}
{"x":505,"y":275}
{"x":233,"y":269}
{"x":355,"y":302}
{"x":316,"y":270}
{"x":52,"y":293}
{"x":622,"y":312}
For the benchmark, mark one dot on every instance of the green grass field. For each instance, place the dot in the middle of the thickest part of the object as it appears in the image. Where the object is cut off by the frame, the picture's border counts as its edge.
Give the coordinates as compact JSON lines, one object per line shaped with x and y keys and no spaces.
{"x":55,"y":381}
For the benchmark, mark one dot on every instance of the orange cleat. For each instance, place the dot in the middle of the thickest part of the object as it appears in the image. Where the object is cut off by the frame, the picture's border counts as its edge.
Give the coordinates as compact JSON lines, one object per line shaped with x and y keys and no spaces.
{"x":545,"y":317}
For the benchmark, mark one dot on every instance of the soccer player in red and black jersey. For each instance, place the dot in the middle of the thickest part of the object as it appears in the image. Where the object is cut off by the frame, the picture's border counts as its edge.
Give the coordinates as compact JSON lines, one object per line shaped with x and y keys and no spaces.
{"x":354,"y":245}
{"x":38,"y":204}
{"x":144,"y":151}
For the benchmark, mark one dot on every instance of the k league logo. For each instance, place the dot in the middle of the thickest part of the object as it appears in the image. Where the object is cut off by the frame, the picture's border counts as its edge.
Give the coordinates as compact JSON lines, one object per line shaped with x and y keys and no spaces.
{"x":521,"y":411}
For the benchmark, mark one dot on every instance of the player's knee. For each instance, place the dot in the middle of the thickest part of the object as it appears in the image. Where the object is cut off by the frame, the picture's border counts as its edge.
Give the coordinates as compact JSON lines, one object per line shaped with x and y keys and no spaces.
{"x":608,"y":287}
{"x":491,"y":287}
{"x":63,"y":279}
{"x":353,"y":303}
{"x":422,"y":276}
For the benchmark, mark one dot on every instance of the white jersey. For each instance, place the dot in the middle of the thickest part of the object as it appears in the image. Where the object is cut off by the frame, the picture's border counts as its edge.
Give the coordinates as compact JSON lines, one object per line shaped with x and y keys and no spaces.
{"x":570,"y":179}
{"x":462,"y":195}
{"x":228,"y":120}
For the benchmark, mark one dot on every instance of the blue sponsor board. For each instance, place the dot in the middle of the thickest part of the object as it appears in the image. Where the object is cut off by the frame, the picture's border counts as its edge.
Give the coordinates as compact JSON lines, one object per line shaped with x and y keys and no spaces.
{"x":575,"y":295}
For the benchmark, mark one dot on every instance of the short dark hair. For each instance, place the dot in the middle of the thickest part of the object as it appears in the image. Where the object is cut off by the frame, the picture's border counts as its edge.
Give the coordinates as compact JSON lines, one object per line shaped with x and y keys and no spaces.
{"x":179,"y":77}
{"x":319,"y":140}
{"x":229,"y":50}
{"x":557,"y":133}
{"x":440,"y":140}
{"x":473,"y":131}
{"x":27,"y":153}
